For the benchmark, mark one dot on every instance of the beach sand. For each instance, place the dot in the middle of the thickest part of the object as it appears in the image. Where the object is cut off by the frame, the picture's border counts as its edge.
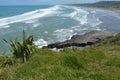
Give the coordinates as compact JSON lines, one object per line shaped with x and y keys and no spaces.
{"x":117,"y":10}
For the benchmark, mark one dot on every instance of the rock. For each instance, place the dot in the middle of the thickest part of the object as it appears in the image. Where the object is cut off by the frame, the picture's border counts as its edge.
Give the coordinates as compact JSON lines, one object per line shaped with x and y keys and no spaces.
{"x":93,"y":36}
{"x":89,"y":38}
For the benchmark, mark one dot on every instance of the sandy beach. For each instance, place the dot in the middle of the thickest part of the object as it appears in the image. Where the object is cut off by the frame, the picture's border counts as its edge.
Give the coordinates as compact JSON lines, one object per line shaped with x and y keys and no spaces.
{"x":110,"y":9}
{"x":117,"y":10}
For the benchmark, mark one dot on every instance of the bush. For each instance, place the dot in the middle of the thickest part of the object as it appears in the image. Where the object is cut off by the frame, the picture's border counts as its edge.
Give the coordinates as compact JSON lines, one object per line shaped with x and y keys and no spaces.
{"x":22,"y":49}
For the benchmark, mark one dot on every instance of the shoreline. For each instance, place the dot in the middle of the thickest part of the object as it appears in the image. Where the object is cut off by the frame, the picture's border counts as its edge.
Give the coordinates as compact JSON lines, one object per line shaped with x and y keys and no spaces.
{"x":68,"y":43}
{"x":116,"y":10}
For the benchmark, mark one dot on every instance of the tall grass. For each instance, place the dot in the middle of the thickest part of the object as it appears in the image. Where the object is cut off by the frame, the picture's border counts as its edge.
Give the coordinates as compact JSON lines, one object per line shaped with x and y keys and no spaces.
{"x":98,"y":62}
{"x":22,"y":50}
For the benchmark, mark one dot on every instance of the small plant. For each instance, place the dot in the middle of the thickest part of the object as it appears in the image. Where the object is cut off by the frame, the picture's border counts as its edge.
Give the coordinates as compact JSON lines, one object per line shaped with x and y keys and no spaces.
{"x":22,"y":49}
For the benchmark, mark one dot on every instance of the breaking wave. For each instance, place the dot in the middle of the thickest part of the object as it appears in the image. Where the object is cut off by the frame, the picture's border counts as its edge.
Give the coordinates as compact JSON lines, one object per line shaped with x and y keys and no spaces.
{"x":36,"y":17}
{"x":79,"y":14}
{"x":28,"y":16}
{"x":40,"y":43}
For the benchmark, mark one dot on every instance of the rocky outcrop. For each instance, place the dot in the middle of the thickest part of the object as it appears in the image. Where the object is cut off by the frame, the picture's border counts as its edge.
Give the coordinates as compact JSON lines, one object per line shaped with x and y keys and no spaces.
{"x":89,"y":38}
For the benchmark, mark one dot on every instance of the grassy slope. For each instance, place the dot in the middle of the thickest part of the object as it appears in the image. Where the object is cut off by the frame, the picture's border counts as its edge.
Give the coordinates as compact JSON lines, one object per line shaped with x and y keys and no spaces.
{"x":99,"y":62}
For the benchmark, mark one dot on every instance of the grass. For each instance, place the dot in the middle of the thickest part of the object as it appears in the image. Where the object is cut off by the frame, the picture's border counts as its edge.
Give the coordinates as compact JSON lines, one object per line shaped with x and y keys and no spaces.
{"x":98,"y":62}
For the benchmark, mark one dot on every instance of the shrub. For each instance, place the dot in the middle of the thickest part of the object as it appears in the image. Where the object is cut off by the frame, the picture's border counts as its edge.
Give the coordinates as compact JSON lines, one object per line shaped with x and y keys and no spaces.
{"x":22,"y":49}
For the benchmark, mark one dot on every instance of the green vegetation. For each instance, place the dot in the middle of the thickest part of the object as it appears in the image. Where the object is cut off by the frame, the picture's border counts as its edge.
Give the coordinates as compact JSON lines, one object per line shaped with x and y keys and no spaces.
{"x":112,"y":5}
{"x":22,"y":49}
{"x":98,"y":62}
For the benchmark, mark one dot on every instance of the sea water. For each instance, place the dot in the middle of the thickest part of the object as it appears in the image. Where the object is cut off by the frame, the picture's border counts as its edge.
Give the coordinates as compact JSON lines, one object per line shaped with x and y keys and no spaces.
{"x":49,"y":24}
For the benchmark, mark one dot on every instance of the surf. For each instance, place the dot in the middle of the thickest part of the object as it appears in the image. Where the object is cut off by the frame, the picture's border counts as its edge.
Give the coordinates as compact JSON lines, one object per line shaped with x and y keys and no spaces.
{"x":52,"y":24}
{"x":28,"y":16}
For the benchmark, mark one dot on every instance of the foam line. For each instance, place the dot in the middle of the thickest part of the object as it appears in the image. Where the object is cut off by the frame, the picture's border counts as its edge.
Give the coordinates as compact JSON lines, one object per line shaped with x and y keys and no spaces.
{"x":28,"y":16}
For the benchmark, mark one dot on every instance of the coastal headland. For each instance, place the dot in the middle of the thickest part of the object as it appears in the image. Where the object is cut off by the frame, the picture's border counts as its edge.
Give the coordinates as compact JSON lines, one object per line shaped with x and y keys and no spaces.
{"x":99,"y":61}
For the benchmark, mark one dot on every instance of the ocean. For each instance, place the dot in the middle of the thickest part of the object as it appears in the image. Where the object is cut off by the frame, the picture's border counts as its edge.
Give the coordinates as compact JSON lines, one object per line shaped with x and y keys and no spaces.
{"x":49,"y":24}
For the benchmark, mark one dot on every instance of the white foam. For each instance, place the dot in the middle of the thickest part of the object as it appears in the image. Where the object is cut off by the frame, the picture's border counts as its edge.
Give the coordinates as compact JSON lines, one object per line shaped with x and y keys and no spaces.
{"x":82,"y":16}
{"x":29,"y":16}
{"x":6,"y":26}
{"x":79,"y":15}
{"x":40,"y":43}
{"x":93,"y":12}
{"x":63,"y":34}
{"x":94,"y":21}
{"x":36,"y":25}
{"x":73,"y":14}
{"x":30,"y":21}
{"x":46,"y":32}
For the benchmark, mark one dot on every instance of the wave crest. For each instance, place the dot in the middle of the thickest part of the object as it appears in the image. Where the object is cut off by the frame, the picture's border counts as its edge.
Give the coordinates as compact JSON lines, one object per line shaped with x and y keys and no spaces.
{"x":28,"y":16}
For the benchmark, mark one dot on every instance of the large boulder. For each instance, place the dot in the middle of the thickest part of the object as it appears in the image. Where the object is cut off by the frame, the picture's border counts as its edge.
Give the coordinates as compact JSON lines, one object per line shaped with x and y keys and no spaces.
{"x":89,"y":38}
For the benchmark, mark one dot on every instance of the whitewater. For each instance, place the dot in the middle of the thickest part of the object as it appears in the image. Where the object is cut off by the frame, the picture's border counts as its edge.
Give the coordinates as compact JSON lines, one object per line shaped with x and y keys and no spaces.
{"x":51,"y":24}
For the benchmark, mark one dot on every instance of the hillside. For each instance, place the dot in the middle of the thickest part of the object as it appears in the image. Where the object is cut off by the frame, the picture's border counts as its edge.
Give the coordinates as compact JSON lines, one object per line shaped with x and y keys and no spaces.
{"x":98,"y":62}
{"x":101,"y":4}
{"x":107,"y":3}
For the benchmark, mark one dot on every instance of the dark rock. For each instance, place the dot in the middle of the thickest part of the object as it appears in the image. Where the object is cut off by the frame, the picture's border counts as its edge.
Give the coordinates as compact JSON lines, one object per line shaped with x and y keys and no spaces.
{"x":87,"y":39}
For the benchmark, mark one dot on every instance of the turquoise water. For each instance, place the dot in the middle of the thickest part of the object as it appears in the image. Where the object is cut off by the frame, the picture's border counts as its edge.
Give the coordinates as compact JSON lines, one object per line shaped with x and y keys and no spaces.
{"x":7,"y":11}
{"x":50,"y":24}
